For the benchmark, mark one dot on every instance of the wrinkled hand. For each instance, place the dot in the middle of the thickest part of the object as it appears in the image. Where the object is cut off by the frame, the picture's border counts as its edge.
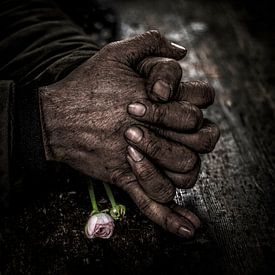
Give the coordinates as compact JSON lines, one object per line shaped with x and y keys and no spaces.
{"x":163,"y":76}
{"x":84,"y":117}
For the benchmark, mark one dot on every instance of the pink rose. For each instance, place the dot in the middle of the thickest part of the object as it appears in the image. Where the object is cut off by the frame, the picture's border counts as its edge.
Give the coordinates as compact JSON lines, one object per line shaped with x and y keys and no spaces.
{"x":99,"y":225}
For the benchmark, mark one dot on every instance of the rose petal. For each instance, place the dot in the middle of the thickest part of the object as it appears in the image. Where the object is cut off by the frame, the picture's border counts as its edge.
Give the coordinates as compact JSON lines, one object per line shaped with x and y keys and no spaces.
{"x":100,"y":225}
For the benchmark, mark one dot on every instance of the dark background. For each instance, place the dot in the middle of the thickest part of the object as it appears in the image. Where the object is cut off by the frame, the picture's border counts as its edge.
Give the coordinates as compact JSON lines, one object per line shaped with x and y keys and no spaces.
{"x":230,"y":44}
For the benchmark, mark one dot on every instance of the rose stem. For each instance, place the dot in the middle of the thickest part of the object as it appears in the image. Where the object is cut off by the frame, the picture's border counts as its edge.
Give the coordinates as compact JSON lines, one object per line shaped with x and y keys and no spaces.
{"x":92,"y":195}
{"x":110,"y":194}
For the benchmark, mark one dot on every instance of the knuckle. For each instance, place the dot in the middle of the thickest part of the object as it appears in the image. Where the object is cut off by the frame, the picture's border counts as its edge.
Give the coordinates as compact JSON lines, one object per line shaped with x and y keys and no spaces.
{"x":147,"y":174}
{"x":156,"y":38}
{"x":154,"y":33}
{"x":153,"y":148}
{"x":207,"y":91}
{"x":159,"y":131}
{"x":170,"y":63}
{"x":169,"y":223}
{"x":210,"y":138}
{"x":190,"y":161}
{"x":186,"y":180}
{"x":169,"y":66}
{"x":196,"y":117}
{"x":159,"y":113}
{"x":191,"y":181}
{"x":116,"y":176}
{"x":145,"y":66}
{"x":144,"y":206}
{"x":166,"y":221}
{"x":174,"y":66}
{"x":122,"y":178}
{"x":166,"y":194}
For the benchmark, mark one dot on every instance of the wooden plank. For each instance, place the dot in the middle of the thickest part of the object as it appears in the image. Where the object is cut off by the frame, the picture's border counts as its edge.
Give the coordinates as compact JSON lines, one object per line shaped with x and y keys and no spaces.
{"x":235,"y":192}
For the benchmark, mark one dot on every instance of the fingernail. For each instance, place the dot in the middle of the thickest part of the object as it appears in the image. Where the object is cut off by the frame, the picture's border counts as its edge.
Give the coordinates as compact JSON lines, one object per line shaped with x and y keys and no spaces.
{"x":186,"y":232}
{"x":162,"y":90}
{"x":134,"y":134}
{"x":179,"y":47}
{"x":136,"y":109}
{"x":134,"y":154}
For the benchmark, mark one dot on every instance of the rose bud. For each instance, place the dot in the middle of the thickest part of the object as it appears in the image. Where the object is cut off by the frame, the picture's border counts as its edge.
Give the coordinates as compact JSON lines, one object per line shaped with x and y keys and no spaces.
{"x":100,"y":225}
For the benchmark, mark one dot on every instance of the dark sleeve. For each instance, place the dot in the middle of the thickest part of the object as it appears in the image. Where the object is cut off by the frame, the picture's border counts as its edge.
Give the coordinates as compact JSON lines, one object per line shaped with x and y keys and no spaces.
{"x":39,"y":45}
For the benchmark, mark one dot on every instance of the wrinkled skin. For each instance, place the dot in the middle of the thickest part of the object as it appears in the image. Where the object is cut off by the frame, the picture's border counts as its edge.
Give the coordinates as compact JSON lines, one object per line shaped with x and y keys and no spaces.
{"x":87,"y":123}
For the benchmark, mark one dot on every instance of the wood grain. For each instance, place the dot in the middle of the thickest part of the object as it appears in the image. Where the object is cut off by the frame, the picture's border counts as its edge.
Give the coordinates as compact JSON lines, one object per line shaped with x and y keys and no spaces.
{"x":235,"y":192}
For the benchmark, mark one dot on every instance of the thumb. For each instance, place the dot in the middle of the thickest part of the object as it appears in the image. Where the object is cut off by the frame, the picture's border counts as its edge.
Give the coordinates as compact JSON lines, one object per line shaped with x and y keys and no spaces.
{"x":150,"y":43}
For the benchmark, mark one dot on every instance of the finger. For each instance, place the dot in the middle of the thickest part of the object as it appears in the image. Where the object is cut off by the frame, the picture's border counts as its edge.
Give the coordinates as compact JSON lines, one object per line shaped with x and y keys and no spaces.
{"x":184,"y":180}
{"x":162,"y":76}
{"x":202,"y":141}
{"x":178,"y":116}
{"x":151,"y":43}
{"x":155,"y":184}
{"x":199,"y":93}
{"x":174,"y":222}
{"x":168,"y":154}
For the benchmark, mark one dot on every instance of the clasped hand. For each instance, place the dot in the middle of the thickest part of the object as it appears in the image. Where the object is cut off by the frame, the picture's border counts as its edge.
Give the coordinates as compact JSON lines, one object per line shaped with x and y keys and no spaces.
{"x":125,"y":117}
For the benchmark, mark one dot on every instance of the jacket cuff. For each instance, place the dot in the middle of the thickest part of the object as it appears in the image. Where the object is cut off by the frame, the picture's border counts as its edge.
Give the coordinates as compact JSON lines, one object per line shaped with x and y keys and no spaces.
{"x":28,"y":151}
